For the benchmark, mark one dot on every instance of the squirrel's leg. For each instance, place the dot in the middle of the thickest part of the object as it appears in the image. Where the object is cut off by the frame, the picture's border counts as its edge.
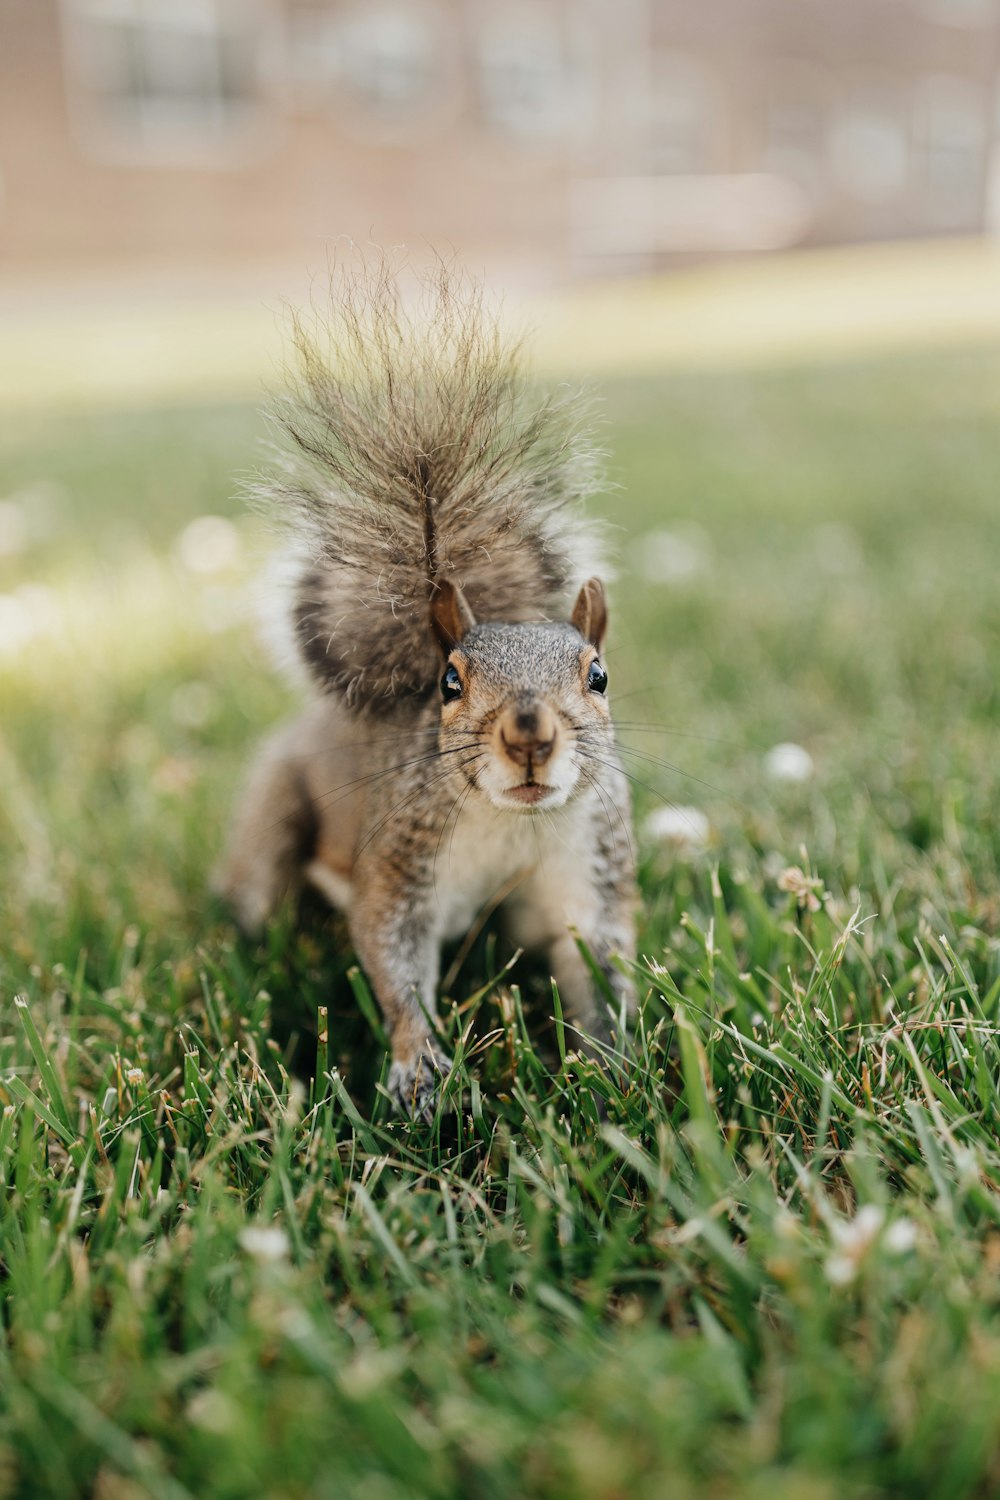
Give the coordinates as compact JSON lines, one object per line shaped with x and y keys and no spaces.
{"x":271,"y":836}
{"x":584,"y":1001}
{"x":603,"y":918}
{"x":395,"y":939}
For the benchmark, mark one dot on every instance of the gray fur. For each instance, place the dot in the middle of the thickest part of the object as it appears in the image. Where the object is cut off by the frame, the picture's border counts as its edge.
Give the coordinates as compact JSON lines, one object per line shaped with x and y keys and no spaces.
{"x":427,"y":497}
{"x":413,"y":451}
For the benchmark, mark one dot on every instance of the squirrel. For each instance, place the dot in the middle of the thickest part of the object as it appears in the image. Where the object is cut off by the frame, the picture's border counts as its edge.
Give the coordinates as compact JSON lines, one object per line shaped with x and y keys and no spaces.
{"x":460,"y":748}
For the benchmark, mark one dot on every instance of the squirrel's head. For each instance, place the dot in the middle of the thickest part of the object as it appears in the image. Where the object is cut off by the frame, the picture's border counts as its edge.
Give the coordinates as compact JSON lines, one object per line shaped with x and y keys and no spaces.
{"x":528,"y":701}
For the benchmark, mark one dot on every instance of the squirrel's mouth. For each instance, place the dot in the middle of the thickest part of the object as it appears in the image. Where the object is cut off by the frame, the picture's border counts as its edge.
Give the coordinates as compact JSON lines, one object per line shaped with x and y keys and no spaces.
{"x":529,"y":792}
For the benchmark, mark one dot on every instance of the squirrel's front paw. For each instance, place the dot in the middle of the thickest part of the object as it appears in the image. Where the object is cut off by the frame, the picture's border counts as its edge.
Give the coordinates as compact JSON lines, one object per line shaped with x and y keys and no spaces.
{"x":414,"y":1084}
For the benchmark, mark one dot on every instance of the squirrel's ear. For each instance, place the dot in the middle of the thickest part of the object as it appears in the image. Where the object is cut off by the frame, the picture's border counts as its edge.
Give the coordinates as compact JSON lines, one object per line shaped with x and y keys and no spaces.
{"x":451,"y":616}
{"x":590,"y":612}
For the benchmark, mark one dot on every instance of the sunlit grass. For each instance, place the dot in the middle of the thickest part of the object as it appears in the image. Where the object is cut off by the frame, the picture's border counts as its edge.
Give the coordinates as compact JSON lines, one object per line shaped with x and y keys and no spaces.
{"x":764,"y":1264}
{"x":133,"y":345}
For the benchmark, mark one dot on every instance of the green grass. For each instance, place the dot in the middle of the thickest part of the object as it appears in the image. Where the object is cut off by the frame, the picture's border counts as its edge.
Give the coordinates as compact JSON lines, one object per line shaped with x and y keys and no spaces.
{"x":772,"y":1269}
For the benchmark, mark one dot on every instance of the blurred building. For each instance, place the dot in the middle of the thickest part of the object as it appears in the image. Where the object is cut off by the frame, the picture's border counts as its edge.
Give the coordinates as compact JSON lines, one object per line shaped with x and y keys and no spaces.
{"x":564,"y":135}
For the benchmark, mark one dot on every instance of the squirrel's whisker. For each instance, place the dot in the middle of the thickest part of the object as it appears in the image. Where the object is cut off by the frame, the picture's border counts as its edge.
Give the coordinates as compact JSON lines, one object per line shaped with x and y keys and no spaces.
{"x":405,"y":802}
{"x":599,"y":789}
{"x":345,"y":788}
{"x":459,"y":796}
{"x":397,"y":808}
{"x":632,"y":726}
{"x":403,"y":765}
{"x":461,"y":808}
{"x":637,"y":781}
{"x":608,"y":804}
{"x":442,"y":591}
{"x":667,"y":765}
{"x":333,"y":746}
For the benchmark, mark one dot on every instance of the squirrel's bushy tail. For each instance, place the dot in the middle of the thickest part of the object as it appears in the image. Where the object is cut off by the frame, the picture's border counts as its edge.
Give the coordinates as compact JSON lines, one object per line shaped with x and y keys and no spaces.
{"x":414,"y":452}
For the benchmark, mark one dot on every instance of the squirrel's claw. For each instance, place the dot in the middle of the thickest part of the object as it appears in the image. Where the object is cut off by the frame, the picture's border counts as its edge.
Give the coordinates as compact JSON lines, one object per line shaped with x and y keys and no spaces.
{"x":414,"y":1086}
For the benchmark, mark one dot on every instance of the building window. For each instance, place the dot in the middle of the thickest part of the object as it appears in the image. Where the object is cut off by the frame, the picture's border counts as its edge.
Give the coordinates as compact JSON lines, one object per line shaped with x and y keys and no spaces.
{"x":869,"y":145}
{"x":966,"y":13}
{"x":952,"y":130}
{"x":687,"y":121}
{"x":397,"y":70}
{"x":796,"y":116}
{"x":311,"y":56}
{"x":534,"y":74}
{"x":179,"y":81}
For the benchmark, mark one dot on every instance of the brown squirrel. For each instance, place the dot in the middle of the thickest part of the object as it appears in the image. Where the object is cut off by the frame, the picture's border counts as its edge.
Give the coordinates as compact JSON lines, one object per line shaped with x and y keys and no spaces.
{"x":461,"y":746}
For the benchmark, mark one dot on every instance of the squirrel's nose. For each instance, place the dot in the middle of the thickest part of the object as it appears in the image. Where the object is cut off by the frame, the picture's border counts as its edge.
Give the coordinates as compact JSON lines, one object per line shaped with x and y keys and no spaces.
{"x":528,"y":733}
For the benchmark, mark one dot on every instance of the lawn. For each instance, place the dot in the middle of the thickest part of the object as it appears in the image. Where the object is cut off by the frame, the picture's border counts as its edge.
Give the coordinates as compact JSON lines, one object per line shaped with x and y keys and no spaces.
{"x":769,"y":1268}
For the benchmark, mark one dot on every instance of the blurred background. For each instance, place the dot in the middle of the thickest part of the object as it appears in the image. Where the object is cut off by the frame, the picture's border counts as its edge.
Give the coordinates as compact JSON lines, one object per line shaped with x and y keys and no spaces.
{"x":766,"y":231}
{"x":171,"y":169}
{"x":548,"y":139}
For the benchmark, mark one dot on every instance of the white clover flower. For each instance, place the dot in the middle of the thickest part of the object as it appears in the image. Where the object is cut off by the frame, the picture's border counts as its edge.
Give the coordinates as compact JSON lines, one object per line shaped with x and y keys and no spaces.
{"x":854,"y":1238}
{"x":788,"y":762}
{"x":807,"y":889}
{"x":686,"y":828}
{"x":840,"y":1270}
{"x":266,"y":1242}
{"x":856,"y":1235}
{"x":210,"y":544}
{"x":134,"y":1076}
{"x":900,"y":1237}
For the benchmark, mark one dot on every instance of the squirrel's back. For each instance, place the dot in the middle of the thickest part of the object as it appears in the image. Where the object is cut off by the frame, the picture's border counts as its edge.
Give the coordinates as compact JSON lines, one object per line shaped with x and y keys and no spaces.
{"x":414,"y":452}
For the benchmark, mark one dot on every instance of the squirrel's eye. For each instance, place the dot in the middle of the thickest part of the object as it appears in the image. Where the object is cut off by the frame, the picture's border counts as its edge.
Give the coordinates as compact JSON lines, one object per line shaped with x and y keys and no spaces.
{"x":451,"y":685}
{"x":597,"y":678}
